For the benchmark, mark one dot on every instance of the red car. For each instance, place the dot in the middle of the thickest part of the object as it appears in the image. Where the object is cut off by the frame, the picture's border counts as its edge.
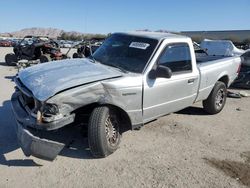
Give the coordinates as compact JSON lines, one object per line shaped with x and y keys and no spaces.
{"x":5,"y":43}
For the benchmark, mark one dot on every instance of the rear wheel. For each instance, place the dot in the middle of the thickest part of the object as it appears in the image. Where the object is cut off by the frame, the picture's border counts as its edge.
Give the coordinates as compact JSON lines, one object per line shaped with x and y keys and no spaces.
{"x":103,"y":132}
{"x":75,"y":55}
{"x":45,"y":58}
{"x":64,"y":56}
{"x":217,"y":99}
{"x":11,"y":59}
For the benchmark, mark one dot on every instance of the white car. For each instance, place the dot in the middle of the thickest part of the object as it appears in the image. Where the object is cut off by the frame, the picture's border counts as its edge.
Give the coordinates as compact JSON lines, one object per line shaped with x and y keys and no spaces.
{"x":220,"y":48}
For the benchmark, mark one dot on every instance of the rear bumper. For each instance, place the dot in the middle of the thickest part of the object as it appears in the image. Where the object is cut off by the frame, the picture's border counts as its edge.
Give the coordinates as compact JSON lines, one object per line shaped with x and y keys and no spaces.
{"x":32,"y":140}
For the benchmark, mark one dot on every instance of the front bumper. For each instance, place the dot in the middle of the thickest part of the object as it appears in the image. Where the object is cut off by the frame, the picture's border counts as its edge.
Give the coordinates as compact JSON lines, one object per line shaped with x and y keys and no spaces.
{"x":32,"y":140}
{"x":36,"y":146}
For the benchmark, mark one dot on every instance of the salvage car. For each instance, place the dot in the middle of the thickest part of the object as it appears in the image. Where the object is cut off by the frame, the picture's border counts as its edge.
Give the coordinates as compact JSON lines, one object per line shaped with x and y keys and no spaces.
{"x":220,"y":48}
{"x":243,"y":80}
{"x":87,"y":47}
{"x":132,"y":79}
{"x":5,"y":43}
{"x":246,"y":58}
{"x":35,"y":48}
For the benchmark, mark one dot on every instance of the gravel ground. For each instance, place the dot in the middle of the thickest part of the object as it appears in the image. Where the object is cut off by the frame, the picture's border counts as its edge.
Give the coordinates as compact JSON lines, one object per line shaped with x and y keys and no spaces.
{"x":184,"y":149}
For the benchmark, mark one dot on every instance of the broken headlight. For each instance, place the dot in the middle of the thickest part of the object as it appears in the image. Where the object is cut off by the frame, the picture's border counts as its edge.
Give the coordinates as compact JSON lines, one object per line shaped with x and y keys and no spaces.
{"x":50,"y":110}
{"x":48,"y":113}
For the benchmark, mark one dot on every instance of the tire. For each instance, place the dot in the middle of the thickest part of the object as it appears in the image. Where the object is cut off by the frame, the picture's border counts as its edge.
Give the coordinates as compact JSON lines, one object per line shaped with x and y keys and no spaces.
{"x":11,"y":59}
{"x":103,"y":132}
{"x":45,"y":58}
{"x":217,"y":99}
{"x":75,"y":55}
{"x":64,"y":56}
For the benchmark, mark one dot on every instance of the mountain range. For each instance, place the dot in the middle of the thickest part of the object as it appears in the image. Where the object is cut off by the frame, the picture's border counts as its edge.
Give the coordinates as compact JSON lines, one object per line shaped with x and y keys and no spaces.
{"x":234,"y":35}
{"x":50,"y":32}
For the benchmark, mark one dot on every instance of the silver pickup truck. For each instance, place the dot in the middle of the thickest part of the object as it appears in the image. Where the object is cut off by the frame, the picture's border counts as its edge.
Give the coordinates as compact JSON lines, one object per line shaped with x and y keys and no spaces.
{"x":132,"y":79}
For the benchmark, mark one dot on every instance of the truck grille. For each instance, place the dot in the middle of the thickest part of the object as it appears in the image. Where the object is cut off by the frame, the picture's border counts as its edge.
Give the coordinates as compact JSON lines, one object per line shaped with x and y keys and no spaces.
{"x":26,"y":98}
{"x":28,"y":101}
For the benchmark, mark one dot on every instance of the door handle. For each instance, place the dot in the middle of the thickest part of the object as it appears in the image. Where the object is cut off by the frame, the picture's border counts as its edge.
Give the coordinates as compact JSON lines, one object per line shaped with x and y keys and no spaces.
{"x":190,"y":81}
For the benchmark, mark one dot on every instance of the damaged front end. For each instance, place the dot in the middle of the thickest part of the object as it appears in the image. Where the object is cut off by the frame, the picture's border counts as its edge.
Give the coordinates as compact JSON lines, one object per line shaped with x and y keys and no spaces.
{"x":35,"y":122}
{"x":49,"y":97}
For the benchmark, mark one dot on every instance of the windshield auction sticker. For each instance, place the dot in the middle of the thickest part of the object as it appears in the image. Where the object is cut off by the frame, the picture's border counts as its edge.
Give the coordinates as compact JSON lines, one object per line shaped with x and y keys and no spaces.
{"x":139,"y":45}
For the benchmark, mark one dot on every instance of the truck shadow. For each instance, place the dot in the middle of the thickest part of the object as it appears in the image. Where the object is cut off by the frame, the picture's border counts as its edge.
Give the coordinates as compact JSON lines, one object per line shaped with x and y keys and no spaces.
{"x":8,"y":141}
{"x":76,"y":144}
{"x":193,"y":111}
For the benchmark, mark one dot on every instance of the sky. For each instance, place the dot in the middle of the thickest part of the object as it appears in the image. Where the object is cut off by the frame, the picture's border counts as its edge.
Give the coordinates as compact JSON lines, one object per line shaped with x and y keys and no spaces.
{"x":106,"y":16}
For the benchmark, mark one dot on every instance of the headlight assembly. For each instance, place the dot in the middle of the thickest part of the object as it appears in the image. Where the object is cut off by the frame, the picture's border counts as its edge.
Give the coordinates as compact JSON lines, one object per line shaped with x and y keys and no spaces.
{"x":50,"y":110}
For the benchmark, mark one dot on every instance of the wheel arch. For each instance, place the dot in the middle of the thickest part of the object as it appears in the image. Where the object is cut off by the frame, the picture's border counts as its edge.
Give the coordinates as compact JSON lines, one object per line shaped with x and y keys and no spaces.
{"x":126,"y":123}
{"x":225,"y":80}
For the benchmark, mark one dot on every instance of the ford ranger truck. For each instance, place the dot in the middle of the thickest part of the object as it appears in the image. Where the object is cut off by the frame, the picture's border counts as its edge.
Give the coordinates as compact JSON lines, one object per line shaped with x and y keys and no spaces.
{"x":132,"y":79}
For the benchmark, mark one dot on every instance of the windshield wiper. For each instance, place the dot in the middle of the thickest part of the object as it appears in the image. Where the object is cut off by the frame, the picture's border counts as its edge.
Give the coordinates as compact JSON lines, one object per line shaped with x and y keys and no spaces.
{"x":120,"y":68}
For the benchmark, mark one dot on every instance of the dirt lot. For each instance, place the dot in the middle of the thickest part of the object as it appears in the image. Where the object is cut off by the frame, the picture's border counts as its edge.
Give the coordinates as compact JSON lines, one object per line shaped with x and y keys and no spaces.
{"x":185,"y":149}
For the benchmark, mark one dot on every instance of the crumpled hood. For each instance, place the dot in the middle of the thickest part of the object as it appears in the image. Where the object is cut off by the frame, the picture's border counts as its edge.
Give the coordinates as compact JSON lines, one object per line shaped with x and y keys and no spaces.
{"x":47,"y":79}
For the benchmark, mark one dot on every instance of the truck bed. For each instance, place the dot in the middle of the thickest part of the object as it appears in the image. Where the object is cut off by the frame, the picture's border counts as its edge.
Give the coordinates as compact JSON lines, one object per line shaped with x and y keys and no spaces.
{"x":212,"y":68}
{"x":205,"y":59}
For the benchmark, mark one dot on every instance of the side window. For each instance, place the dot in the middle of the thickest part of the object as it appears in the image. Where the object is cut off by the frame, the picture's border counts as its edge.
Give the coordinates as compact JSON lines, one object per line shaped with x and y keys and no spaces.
{"x":177,"y":57}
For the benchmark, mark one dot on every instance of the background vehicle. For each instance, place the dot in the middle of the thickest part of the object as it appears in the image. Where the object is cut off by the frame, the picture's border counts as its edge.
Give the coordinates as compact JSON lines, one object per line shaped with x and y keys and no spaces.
{"x":132,"y":79}
{"x":87,"y":47}
{"x":65,"y":43}
{"x":243,"y":80}
{"x":220,"y":48}
{"x":5,"y":43}
{"x":34,"y":48}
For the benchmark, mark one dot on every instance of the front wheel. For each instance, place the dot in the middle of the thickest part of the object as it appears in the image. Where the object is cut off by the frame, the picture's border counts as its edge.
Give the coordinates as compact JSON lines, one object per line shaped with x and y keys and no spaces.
{"x":217,"y":98}
{"x":45,"y":58}
{"x":103,"y":132}
{"x":75,"y":55}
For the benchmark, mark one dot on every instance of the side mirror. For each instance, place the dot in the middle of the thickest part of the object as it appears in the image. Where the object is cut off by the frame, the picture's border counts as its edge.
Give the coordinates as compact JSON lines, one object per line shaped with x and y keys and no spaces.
{"x":160,"y":72}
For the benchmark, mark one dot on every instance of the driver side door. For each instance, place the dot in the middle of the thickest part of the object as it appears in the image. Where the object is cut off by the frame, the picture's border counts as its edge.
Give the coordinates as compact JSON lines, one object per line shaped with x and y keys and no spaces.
{"x":165,"y":95}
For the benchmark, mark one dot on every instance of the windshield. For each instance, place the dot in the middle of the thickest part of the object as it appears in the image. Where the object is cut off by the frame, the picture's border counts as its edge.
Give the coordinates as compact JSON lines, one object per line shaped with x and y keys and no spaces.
{"x":130,"y":53}
{"x":26,"y":42}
